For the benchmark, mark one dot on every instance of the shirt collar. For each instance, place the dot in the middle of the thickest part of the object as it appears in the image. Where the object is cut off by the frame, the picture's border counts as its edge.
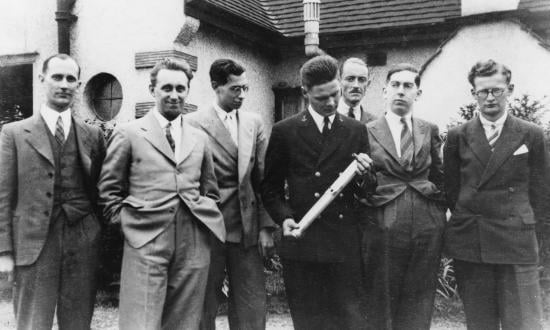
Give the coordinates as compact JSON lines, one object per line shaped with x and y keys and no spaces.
{"x":163,"y":121}
{"x":50,"y":117}
{"x":393,"y":118}
{"x":343,"y":108}
{"x":498,"y":123}
{"x":222,"y":113}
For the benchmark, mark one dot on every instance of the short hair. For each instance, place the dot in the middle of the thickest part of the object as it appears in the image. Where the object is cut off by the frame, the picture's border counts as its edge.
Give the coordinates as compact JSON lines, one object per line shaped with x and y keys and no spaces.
{"x":60,"y":56}
{"x":222,"y":68}
{"x":488,"y":68}
{"x":354,"y":60}
{"x":171,"y":64}
{"x":319,"y":70}
{"x":404,"y":67}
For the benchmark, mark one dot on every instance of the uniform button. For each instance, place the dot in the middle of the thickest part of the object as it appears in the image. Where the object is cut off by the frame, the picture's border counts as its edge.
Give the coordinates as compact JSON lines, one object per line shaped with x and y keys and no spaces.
{"x":317,"y":195}
{"x":50,"y":175}
{"x":46,"y":213}
{"x":511,"y":189}
{"x":341,"y":195}
{"x":317,"y":174}
{"x":49,"y":194}
{"x":340,"y":216}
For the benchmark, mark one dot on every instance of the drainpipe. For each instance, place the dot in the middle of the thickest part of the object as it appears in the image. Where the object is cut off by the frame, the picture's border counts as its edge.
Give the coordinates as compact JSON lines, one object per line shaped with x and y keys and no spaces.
{"x":312,"y":14}
{"x":64,"y":19}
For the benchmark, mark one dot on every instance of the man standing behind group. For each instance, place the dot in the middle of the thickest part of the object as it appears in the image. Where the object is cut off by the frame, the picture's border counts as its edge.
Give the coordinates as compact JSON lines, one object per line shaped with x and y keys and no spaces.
{"x":158,"y":181}
{"x":354,"y":77}
{"x":238,"y":143}
{"x":497,"y":175}
{"x":403,"y":241}
{"x":49,"y":167}
{"x":308,"y":151}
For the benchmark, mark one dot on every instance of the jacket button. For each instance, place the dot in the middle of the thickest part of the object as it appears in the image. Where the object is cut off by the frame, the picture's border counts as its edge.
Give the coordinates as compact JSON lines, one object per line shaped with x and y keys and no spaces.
{"x":50,"y":175}
{"x":317,"y":174}
{"x":511,"y":189}
{"x":340,"y":216}
{"x":49,"y":194}
{"x":46,"y":213}
{"x":341,"y":195}
{"x":317,"y":195}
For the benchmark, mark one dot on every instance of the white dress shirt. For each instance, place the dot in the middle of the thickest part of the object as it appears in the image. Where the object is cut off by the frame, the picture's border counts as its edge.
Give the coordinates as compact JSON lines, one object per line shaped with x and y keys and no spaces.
{"x":175,"y":130}
{"x":229,"y":120}
{"x":396,"y":126}
{"x":499,"y":123}
{"x":50,"y":117}
{"x":343,"y":109}
{"x":319,"y":120}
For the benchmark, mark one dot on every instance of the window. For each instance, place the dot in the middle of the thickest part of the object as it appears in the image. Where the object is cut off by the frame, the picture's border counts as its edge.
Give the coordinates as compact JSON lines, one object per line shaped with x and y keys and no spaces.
{"x":104,"y":96}
{"x":16,"y":99}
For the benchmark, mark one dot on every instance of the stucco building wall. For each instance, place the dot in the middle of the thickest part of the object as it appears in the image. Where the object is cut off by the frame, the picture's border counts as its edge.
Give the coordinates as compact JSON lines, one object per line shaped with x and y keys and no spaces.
{"x":445,"y":83}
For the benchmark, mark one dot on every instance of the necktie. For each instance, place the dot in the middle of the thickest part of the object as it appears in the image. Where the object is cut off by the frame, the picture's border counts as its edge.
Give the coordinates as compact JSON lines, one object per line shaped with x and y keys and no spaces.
{"x":169,"y":137}
{"x":59,"y":132}
{"x":407,"y":146}
{"x":232,"y":128}
{"x":326,"y":126}
{"x":493,"y":136}
{"x":351,"y":114}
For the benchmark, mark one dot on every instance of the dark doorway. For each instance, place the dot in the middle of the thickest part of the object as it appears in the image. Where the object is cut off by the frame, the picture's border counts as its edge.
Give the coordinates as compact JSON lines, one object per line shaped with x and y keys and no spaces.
{"x":288,"y":102}
{"x":15,"y":93}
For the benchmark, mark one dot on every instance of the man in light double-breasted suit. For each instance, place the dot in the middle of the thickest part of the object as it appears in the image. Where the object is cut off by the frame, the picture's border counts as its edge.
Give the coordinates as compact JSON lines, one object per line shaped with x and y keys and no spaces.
{"x":402,"y":243}
{"x":158,"y":181}
{"x":497,"y":176}
{"x":238,"y":143}
{"x":49,"y":167}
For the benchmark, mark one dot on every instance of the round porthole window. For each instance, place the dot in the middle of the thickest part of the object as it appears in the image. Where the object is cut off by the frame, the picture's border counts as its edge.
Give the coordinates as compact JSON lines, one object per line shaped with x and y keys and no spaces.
{"x":104,"y":96}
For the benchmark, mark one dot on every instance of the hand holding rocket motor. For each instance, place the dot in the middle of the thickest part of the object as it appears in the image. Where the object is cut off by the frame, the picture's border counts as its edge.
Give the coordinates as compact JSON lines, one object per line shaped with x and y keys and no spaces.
{"x":360,"y":165}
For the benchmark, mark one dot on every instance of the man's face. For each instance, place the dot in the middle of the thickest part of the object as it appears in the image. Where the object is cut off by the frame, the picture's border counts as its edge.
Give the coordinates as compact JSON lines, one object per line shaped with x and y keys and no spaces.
{"x":492,"y":106}
{"x":401,"y":92}
{"x":231,"y":95}
{"x":60,"y":83}
{"x":323,"y":98}
{"x":355,"y":80}
{"x":170,"y":92}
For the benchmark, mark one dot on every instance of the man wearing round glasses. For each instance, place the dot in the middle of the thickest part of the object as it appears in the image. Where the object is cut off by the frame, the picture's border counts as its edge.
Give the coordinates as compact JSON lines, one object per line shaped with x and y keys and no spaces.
{"x":496,"y":176}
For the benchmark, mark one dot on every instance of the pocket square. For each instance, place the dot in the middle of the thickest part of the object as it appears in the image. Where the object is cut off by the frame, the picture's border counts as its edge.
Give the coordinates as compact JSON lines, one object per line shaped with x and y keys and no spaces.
{"x":521,"y":150}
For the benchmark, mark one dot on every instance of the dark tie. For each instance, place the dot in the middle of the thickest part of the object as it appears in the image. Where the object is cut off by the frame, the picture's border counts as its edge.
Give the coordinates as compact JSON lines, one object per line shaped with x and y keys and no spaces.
{"x":326,"y":126}
{"x":350,"y":113}
{"x":169,"y":137}
{"x":59,"y":132}
{"x":407,"y":146}
{"x":493,"y":136}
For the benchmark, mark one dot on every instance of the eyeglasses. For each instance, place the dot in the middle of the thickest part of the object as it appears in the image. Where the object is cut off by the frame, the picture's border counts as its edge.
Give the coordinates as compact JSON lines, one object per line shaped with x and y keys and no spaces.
{"x":484,"y":93}
{"x":239,"y":89}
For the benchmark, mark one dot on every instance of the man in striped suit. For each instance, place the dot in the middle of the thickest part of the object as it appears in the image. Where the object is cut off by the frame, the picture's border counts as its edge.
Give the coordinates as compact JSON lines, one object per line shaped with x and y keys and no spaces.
{"x":403,"y":238}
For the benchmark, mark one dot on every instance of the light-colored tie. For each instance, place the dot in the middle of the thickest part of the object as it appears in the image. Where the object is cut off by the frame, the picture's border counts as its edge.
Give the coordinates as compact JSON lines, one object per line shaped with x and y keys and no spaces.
{"x":231,"y":125}
{"x":59,"y":131}
{"x":169,"y":137}
{"x":407,"y":146}
{"x":493,"y":136}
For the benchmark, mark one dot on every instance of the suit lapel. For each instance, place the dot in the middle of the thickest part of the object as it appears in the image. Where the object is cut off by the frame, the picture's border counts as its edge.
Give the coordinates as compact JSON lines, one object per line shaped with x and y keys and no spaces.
{"x":83,"y":140}
{"x":154,"y":134}
{"x":337,"y":135}
{"x":381,"y":132}
{"x":38,"y":137}
{"x":215,"y":128}
{"x":308,"y":132}
{"x":187,"y":142}
{"x":509,"y":140}
{"x":475,"y":135}
{"x":419,"y":134}
{"x":246,"y":142}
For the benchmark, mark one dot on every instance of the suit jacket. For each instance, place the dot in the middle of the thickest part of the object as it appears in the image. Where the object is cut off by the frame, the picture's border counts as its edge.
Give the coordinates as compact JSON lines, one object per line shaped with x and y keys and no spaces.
{"x":366,"y":117}
{"x":141,"y":184}
{"x":496,"y":197}
{"x":27,"y":182}
{"x":427,"y":174}
{"x":239,"y":171}
{"x":296,"y":154}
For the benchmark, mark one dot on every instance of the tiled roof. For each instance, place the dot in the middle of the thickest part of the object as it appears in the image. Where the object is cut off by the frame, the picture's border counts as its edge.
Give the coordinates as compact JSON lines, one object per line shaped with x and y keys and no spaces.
{"x":337,"y":16}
